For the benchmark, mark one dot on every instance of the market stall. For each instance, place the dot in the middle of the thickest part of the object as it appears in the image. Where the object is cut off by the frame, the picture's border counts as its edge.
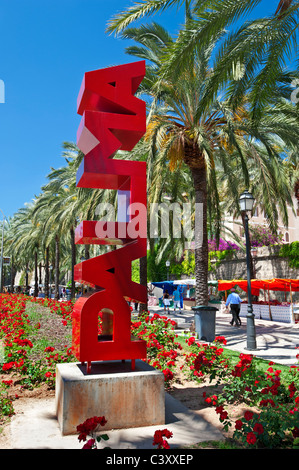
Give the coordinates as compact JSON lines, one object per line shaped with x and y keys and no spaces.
{"x":185,"y":287}
{"x":267,"y":309}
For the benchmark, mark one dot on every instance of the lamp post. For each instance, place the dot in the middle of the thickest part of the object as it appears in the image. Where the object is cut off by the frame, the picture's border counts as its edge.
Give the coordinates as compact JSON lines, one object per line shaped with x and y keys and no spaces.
{"x":246,"y":205}
{"x":167,"y":266}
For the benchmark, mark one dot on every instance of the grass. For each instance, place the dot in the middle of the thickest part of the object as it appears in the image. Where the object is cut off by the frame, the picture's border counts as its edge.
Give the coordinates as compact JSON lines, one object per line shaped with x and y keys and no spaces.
{"x":221,"y":445}
{"x":234,"y":356}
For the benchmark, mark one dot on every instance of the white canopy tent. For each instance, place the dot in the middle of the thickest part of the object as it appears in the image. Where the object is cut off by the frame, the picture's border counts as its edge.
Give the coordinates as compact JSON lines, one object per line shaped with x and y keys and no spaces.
{"x":185,"y":282}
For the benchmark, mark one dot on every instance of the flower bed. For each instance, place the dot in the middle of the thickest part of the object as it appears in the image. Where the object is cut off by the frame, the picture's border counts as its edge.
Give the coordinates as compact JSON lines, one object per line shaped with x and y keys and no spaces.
{"x":25,"y":361}
{"x":270,"y":396}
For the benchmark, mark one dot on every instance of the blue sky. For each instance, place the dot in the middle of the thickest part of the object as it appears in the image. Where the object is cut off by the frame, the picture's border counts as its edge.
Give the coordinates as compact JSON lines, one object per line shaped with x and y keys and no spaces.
{"x":46,"y":46}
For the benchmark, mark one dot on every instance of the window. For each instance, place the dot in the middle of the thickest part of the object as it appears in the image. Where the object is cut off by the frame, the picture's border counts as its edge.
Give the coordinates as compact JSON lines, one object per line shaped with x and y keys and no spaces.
{"x":287,"y":238}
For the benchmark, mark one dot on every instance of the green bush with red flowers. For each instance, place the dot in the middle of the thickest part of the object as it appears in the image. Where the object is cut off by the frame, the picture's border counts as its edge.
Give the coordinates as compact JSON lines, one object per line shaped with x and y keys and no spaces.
{"x":17,"y":335}
{"x":162,"y":347}
{"x":206,"y":360}
{"x":271,"y":394}
{"x":276,"y":423}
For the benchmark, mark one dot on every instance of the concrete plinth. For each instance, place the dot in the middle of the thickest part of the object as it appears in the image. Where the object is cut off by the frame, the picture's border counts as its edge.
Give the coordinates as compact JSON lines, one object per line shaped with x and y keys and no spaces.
{"x":127,"y":398}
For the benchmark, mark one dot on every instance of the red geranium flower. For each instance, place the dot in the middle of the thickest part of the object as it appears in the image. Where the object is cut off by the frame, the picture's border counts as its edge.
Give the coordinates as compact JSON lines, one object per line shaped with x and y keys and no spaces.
{"x":89,"y":444}
{"x":251,"y":438}
{"x":258,"y":428}
{"x":248,"y":415}
{"x":158,"y":438}
{"x":238,"y":424}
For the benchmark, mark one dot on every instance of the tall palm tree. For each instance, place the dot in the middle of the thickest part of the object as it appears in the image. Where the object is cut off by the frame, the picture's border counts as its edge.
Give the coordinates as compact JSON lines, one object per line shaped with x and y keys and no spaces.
{"x":184,"y":128}
{"x":63,"y":206}
{"x":26,"y":235}
{"x":258,"y":51}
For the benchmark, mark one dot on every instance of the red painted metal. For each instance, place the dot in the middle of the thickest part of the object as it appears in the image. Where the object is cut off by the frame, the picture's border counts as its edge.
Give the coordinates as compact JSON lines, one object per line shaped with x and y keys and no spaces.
{"x":112,"y":119}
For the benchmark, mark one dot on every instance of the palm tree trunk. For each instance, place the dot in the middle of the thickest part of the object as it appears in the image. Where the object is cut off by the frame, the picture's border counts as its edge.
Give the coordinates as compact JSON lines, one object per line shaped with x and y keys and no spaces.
{"x":35,"y":274}
{"x":47,"y":273}
{"x":86,"y":252}
{"x":57,"y":256}
{"x":13,"y":273}
{"x":143,"y":280}
{"x":40,"y":273}
{"x":201,"y":236}
{"x":27,"y":277}
{"x":73,"y":293}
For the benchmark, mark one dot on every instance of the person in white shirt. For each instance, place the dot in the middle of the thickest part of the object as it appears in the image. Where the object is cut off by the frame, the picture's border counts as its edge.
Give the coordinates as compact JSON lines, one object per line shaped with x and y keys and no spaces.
{"x":234,"y":301}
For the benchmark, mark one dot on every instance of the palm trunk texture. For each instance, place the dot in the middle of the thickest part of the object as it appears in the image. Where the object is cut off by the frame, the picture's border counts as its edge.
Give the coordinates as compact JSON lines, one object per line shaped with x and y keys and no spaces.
{"x":47,"y":273}
{"x":57,"y":267}
{"x":73,"y":293}
{"x":195,"y":160}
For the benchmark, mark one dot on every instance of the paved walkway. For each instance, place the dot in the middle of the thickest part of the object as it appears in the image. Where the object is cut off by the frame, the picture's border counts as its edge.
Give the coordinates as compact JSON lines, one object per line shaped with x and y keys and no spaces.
{"x":36,"y":426}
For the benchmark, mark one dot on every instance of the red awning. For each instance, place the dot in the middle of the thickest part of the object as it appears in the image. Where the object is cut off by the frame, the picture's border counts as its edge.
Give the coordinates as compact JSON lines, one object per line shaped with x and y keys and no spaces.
{"x":283,"y":285}
{"x":227,"y":285}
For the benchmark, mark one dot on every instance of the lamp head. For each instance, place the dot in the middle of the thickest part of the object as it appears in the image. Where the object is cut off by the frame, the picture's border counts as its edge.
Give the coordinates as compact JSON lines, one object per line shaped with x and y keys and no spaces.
{"x":246,"y":201}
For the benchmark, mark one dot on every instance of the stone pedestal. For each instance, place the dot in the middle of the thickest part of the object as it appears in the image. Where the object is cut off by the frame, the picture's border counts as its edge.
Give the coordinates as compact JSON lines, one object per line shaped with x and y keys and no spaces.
{"x":127,"y":398}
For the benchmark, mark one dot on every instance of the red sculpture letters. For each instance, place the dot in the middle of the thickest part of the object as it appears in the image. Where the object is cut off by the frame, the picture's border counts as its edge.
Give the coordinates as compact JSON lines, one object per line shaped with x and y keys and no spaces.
{"x":112,"y":119}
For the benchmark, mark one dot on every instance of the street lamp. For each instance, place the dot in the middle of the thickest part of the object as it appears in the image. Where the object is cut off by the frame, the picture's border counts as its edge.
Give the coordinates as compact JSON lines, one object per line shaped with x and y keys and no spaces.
{"x":246,"y":205}
{"x":167,"y":266}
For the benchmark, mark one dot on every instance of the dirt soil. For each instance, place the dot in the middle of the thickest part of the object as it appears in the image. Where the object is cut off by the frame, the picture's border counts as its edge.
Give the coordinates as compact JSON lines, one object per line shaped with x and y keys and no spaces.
{"x":189,"y":393}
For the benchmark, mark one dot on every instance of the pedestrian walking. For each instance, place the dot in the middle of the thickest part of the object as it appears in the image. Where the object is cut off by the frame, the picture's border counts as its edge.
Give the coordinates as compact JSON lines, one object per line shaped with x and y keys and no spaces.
{"x":176,"y":299}
{"x":166,"y":300}
{"x":234,"y":301}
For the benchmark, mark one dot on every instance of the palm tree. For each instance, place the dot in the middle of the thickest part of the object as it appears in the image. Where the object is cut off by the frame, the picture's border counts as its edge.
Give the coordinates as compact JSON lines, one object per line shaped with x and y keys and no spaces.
{"x":25,"y":241}
{"x":185,"y":129}
{"x":63,"y":206}
{"x":268,"y":41}
{"x":291,"y":164}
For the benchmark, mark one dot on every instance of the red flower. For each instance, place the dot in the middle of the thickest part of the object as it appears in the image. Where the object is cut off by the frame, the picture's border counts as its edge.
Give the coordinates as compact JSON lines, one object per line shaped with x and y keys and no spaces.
{"x":238,"y":424}
{"x":251,"y":438}
{"x":258,"y":428}
{"x":89,"y":444}
{"x":223,"y":415}
{"x":90,"y":425}
{"x":219,"y":409}
{"x":158,"y":438}
{"x":7,"y":382}
{"x":248,"y":415}
{"x":168,"y":375}
{"x":221,"y":339}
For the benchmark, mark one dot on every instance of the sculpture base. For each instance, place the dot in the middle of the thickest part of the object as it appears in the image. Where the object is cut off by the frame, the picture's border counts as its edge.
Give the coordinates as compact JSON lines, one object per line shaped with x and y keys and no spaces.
{"x":127,"y":398}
